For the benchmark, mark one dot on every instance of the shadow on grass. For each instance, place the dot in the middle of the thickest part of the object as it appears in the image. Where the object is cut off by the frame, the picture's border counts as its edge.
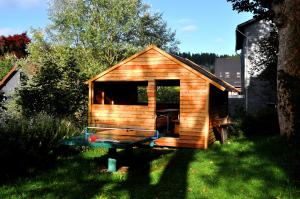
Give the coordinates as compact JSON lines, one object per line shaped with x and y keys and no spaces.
{"x":256,"y":167}
{"x":18,"y":163}
{"x":147,"y":181}
{"x":79,"y":177}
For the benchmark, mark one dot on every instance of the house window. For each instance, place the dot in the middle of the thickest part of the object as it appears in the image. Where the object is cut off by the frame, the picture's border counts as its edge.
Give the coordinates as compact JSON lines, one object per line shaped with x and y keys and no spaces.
{"x":238,"y":75}
{"x":227,"y":74}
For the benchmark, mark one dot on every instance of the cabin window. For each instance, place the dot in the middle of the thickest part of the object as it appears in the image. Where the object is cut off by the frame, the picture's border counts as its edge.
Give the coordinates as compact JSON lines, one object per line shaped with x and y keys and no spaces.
{"x":121,"y":93}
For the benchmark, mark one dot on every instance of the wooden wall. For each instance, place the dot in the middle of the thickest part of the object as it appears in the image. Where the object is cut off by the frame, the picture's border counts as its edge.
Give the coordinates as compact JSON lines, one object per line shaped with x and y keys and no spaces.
{"x":151,"y":66}
{"x":218,"y":109}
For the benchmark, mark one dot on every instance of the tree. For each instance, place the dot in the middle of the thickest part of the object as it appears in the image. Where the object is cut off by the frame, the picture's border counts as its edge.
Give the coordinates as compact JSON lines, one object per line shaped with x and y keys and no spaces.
{"x":57,"y":88}
{"x":286,"y":16}
{"x":14,"y":44}
{"x":82,"y":40}
{"x":204,"y":59}
{"x":103,"y":32}
{"x":265,"y":60}
{"x":2,"y":99}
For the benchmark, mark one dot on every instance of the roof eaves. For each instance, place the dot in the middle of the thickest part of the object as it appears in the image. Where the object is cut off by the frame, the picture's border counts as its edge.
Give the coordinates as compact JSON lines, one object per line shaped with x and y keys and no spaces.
{"x":7,"y":76}
{"x":206,"y":73}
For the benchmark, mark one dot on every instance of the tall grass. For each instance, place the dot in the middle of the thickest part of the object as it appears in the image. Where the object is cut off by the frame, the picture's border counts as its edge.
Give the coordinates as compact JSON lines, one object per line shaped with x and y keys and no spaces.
{"x":26,"y":141}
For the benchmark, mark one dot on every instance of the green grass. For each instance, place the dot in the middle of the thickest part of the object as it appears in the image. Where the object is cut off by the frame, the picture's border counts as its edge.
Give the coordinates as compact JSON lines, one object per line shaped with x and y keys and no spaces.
{"x":244,"y":168}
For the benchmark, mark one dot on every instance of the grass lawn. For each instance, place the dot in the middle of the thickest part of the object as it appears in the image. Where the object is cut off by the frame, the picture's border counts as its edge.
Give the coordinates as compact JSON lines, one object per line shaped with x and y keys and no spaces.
{"x":260,"y":167}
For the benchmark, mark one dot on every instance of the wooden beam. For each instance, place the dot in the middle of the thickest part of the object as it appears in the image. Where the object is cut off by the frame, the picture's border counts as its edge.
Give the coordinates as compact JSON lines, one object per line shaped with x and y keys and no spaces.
{"x":151,"y":93}
{"x":90,"y":102}
{"x":207,"y":117}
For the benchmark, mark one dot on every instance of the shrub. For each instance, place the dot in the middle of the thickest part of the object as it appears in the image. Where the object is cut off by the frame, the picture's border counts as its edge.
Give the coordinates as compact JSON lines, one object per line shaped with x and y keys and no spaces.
{"x":56,"y":88}
{"x":6,"y":64}
{"x":26,"y":141}
{"x":263,"y":122}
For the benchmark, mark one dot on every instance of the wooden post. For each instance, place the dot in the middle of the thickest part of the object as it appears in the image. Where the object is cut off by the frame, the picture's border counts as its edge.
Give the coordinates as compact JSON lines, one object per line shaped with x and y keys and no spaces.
{"x":112,"y":161}
{"x":91,"y":90}
{"x":207,"y":116}
{"x":151,"y":91}
{"x":102,"y":97}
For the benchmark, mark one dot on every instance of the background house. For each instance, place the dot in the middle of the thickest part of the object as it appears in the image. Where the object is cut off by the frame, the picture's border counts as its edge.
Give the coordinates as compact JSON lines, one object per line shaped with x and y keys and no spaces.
{"x":229,"y":70}
{"x":258,"y":93}
{"x":10,"y":82}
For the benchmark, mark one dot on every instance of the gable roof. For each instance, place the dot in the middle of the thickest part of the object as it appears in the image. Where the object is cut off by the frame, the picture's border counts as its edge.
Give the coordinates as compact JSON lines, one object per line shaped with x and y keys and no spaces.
{"x":239,"y":32}
{"x":186,"y":63}
{"x":7,"y":77}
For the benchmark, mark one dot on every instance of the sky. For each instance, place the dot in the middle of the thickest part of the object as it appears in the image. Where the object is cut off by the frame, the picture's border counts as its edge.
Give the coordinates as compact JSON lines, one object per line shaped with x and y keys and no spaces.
{"x":200,"y":25}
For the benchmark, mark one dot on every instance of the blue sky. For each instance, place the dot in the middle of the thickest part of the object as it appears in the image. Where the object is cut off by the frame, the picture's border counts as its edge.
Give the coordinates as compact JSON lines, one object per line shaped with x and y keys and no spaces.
{"x":201,"y":25}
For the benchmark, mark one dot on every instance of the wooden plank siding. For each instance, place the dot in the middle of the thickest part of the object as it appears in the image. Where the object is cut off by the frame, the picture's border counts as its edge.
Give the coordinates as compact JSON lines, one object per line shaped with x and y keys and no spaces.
{"x":150,"y":66}
{"x":218,"y":108}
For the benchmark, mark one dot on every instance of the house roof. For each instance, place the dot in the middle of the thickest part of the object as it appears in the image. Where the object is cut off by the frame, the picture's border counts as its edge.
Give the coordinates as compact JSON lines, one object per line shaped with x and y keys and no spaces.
{"x":7,"y":77}
{"x":239,"y":32}
{"x":188,"y":64}
{"x":202,"y":70}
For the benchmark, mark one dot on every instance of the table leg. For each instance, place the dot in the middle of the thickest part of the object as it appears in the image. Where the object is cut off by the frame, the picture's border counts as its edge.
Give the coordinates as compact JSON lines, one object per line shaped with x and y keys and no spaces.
{"x":112,"y":161}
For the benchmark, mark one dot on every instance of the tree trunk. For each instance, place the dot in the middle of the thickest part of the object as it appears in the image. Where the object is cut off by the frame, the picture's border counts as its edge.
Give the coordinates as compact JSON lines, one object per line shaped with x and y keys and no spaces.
{"x":287,"y":15}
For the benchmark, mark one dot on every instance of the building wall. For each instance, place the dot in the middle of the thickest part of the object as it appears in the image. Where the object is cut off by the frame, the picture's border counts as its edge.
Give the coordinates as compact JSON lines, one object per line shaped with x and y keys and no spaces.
{"x":229,"y":70}
{"x":151,"y":66}
{"x":259,"y":94}
{"x":11,"y":85}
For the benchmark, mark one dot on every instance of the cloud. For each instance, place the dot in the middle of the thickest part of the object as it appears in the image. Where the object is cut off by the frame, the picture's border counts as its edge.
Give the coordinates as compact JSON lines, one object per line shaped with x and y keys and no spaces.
{"x":7,"y":31}
{"x":21,"y":3}
{"x":186,"y":25}
{"x":184,"y":21}
{"x":189,"y":28}
{"x":219,"y":40}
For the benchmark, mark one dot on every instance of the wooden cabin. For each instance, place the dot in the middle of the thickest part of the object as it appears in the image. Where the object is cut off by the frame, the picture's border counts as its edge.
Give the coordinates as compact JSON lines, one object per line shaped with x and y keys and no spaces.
{"x":131,"y":95}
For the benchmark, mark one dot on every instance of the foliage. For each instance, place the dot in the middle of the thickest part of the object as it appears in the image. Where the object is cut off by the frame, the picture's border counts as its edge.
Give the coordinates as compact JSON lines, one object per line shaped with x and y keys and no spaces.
{"x":25,"y":140}
{"x":263,"y":122}
{"x":261,"y":167}
{"x":265,"y":60}
{"x":168,"y":94}
{"x":104,"y":32}
{"x":204,"y":59}
{"x":260,"y":8}
{"x":57,"y":88}
{"x":14,"y":44}
{"x":2,"y":99}
{"x":6,"y":64}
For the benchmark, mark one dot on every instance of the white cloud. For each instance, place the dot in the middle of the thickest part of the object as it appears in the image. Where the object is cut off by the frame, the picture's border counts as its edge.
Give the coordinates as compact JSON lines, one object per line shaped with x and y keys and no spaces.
{"x":184,"y":21}
{"x":189,"y":28}
{"x":21,"y":3}
{"x":186,"y":25}
{"x":219,"y":40}
{"x":7,"y":31}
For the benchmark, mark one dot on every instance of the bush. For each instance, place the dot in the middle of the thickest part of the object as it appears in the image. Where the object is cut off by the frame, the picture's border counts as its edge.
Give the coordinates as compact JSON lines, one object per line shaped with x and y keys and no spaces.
{"x":6,"y":64}
{"x":263,"y":122}
{"x":56,"y":88}
{"x":27,"y":141}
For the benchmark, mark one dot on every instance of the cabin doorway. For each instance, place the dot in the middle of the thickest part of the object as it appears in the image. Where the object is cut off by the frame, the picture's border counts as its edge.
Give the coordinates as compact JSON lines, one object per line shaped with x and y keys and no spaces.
{"x":168,"y":107}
